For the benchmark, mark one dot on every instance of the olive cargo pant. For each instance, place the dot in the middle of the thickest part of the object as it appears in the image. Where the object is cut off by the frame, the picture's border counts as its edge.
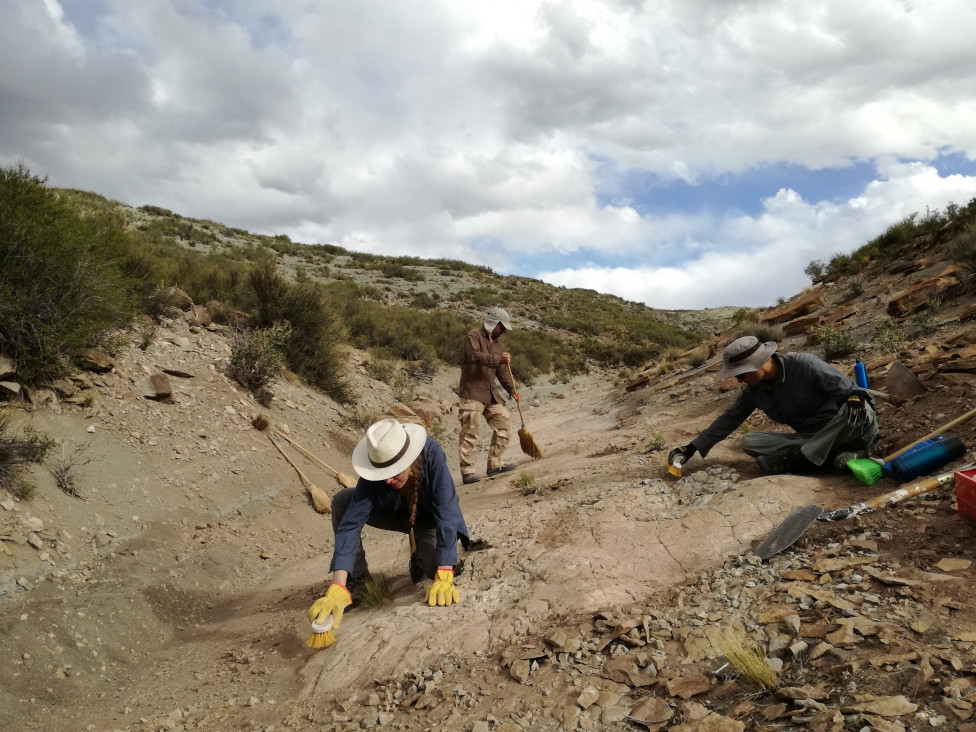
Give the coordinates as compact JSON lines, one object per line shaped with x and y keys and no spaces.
{"x":500,"y":421}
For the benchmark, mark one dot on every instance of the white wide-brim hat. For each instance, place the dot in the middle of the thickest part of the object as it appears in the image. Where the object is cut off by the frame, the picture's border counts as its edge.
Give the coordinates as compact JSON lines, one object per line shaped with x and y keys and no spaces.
{"x":744,"y":355}
{"x":388,"y":449}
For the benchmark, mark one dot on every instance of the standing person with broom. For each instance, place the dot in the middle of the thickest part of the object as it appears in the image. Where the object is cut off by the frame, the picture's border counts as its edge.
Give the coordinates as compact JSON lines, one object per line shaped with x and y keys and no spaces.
{"x":833,"y":418}
{"x":404,"y":485}
{"x":484,"y":365}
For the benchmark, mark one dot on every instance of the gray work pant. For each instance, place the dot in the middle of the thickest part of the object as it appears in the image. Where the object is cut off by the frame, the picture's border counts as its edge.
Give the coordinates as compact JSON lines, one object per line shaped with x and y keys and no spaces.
{"x":422,"y":564}
{"x":835,"y":437}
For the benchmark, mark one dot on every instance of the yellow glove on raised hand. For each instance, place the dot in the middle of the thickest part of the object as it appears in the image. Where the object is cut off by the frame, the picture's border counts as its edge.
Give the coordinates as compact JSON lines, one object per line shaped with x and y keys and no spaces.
{"x":443,"y":591}
{"x":335,"y":601}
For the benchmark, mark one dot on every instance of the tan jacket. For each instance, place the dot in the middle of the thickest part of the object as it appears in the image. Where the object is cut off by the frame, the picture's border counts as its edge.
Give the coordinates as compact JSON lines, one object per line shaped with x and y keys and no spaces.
{"x":481,"y":366}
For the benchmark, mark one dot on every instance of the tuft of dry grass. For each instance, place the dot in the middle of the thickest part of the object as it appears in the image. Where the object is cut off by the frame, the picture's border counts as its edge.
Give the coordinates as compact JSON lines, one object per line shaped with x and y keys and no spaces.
{"x":526,"y":479}
{"x":71,"y":458}
{"x":751,"y":663}
{"x":375,"y":591}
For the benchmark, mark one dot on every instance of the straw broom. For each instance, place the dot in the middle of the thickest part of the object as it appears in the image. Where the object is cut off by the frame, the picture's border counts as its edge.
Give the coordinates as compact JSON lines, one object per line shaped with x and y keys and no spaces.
{"x":525,"y":437}
{"x":261,"y":424}
{"x":346,"y":481}
{"x":320,"y":500}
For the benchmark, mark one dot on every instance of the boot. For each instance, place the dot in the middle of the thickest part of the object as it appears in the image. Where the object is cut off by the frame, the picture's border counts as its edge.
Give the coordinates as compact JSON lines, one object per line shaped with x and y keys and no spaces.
{"x":792,"y":460}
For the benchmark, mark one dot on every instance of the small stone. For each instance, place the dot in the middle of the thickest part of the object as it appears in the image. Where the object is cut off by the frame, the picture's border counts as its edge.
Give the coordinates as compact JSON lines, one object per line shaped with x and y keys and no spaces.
{"x":588,"y":697}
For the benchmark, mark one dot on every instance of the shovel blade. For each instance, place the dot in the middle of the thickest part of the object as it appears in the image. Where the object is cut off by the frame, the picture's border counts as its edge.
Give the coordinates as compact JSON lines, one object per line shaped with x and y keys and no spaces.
{"x":788,"y":532}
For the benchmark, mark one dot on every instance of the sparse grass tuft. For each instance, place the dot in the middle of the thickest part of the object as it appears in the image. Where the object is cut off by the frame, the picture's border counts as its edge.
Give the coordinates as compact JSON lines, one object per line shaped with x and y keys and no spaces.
{"x":763,"y":331}
{"x":526,"y":481}
{"x":750,"y":662}
{"x":888,"y":336}
{"x":656,"y":442}
{"x":71,"y":458}
{"x":375,"y":592}
{"x":697,"y":357}
{"x":360,"y":419}
{"x":17,"y":453}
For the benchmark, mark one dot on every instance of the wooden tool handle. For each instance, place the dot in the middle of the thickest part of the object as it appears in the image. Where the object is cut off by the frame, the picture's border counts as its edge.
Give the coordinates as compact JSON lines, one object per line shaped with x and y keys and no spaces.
{"x":305,"y":452}
{"x":897,"y":496}
{"x":517,"y":402}
{"x":305,"y":481}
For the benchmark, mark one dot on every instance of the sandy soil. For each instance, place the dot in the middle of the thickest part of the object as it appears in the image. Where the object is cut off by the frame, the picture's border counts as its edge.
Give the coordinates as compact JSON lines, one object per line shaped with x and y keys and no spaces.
{"x":172,"y":594}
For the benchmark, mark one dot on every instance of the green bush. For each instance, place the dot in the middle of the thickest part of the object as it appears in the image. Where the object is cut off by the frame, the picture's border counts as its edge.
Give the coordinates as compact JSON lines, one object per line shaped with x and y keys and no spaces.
{"x":836,"y":343}
{"x":424,"y":301}
{"x":815,"y":269}
{"x":62,"y":278}
{"x":314,"y":349}
{"x":257,"y":356}
{"x":962,"y":249}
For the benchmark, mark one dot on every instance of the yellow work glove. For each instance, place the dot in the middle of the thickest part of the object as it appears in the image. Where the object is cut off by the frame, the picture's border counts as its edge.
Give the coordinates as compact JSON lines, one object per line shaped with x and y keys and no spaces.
{"x":443,"y":591}
{"x":335,"y":601}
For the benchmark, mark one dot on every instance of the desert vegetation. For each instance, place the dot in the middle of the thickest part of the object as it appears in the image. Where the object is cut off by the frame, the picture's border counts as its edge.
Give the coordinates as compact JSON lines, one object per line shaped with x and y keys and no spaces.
{"x":76,"y":267}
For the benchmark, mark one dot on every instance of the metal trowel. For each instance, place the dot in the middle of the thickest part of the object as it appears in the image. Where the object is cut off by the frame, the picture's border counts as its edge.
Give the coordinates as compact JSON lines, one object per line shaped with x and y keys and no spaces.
{"x":788,"y":532}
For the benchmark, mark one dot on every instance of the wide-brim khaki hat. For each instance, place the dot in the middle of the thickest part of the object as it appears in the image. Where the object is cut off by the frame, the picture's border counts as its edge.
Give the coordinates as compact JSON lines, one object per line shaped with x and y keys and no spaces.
{"x":388,"y":449}
{"x":744,"y":355}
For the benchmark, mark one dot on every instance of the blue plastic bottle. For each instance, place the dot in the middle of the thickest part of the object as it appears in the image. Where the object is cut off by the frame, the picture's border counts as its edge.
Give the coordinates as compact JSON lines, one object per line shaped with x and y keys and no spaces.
{"x":910,"y":465}
{"x":860,"y":374}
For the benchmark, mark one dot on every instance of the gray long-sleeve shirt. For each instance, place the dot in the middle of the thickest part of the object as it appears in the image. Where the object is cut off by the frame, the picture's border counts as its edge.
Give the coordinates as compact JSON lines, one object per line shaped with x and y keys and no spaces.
{"x":806,"y":396}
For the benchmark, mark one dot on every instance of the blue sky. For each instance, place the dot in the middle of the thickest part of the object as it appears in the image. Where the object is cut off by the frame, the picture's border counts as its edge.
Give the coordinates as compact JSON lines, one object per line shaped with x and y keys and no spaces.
{"x":682,"y":153}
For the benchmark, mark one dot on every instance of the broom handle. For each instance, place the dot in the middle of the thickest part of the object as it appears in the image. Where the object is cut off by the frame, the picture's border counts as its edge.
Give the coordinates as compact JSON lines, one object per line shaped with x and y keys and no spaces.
{"x":943,"y":428}
{"x":305,"y":481}
{"x":901,"y":494}
{"x":896,"y":496}
{"x":305,"y":452}
{"x":517,"y":402}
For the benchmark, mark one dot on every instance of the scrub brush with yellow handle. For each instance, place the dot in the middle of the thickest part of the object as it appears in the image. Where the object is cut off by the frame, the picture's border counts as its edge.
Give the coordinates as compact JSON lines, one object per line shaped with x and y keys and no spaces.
{"x":322,"y":635}
{"x":678,"y":457}
{"x":326,"y":614}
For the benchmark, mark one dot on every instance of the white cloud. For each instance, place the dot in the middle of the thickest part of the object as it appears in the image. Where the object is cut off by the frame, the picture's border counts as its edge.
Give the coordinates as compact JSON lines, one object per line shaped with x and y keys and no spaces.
{"x":493,"y":132}
{"x":762,"y":258}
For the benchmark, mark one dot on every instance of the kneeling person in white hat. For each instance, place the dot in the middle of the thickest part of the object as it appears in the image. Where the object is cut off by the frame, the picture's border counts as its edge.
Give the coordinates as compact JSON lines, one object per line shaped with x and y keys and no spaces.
{"x":833,"y":418}
{"x":404,"y":485}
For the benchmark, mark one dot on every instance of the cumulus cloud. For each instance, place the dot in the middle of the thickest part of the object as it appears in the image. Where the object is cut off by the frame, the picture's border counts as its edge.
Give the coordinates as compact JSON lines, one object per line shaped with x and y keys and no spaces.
{"x":508,"y":133}
{"x":756,"y":259}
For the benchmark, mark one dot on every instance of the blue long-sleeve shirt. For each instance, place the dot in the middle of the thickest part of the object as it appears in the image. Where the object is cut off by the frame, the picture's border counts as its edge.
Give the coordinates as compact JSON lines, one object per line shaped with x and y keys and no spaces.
{"x":437,"y":503}
{"x":805,"y":397}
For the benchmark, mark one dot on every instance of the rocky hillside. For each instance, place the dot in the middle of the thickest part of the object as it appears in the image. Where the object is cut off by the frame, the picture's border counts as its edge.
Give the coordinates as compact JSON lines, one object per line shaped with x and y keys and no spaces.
{"x":169,"y":591}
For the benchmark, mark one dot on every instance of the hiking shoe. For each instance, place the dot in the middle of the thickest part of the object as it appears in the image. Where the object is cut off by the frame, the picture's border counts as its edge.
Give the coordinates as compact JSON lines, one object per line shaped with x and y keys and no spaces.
{"x":790,"y":461}
{"x":492,"y":472}
{"x":469,"y":479}
{"x":356,"y":587}
{"x":840,"y":462}
{"x":459,"y":568}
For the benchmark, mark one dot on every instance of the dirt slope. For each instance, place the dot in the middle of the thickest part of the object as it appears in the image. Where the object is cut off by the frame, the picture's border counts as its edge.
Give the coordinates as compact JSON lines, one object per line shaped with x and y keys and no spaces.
{"x":174,"y":595}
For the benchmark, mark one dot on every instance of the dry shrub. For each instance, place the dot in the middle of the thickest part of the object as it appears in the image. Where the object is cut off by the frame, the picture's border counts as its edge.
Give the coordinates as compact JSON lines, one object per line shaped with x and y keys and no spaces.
{"x":750,"y":662}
